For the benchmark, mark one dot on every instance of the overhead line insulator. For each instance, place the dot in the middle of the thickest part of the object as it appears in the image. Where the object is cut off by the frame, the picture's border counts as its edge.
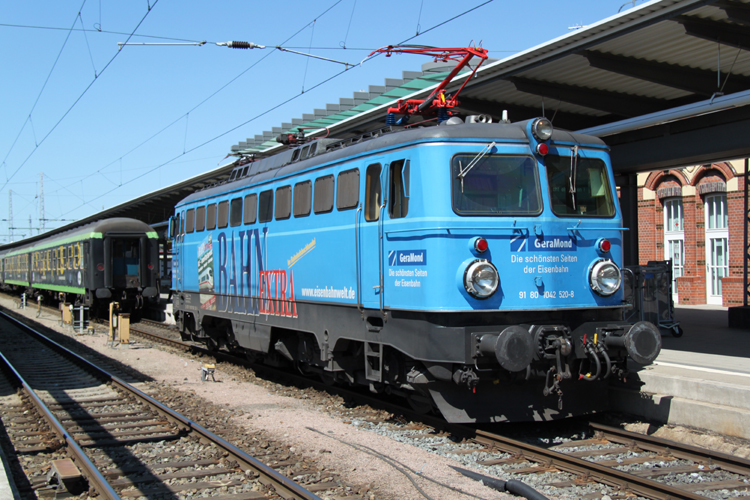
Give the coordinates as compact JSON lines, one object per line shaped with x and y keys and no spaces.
{"x":242,"y":45}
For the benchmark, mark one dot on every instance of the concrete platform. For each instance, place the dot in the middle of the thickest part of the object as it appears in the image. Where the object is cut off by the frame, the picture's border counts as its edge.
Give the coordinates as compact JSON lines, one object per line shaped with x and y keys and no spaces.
{"x":701,"y":379}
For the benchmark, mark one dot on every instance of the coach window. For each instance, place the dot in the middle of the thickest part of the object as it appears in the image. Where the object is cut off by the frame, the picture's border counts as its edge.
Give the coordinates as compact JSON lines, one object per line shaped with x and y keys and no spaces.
{"x":323,"y":199}
{"x":399,"y":189}
{"x":302,"y":198}
{"x":223,"y":214}
{"x":372,"y":193}
{"x":347,"y":191}
{"x":235,"y":212}
{"x":265,"y":210}
{"x":283,"y":203}
{"x":251,"y":208}
{"x":190,"y":220}
{"x":200,"y":219}
{"x":211,"y":216}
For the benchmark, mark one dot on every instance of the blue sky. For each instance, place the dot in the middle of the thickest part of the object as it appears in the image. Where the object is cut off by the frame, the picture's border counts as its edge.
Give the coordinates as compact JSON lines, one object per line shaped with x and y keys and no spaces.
{"x":103,"y":126}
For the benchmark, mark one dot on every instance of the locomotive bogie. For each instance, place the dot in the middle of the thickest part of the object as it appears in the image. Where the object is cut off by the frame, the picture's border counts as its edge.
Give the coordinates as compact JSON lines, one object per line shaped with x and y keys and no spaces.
{"x":446,"y":264}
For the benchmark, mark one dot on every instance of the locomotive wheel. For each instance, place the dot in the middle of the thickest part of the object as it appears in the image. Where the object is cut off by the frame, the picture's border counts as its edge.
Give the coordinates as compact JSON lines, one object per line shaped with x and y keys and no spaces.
{"x":211,"y":345}
{"x":420,"y":404}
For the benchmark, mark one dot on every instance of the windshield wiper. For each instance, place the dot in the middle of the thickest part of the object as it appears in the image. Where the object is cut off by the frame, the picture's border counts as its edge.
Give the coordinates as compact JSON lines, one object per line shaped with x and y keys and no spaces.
{"x":573,"y":171}
{"x":473,"y":163}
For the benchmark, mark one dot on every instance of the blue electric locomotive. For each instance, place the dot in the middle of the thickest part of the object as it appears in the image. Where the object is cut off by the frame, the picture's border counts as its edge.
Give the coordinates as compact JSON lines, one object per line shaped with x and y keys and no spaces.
{"x":473,"y":268}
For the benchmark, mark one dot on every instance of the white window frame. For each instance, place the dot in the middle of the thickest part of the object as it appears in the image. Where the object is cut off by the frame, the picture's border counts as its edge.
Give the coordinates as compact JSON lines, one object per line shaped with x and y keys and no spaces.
{"x":674,"y":235}
{"x":717,"y":236}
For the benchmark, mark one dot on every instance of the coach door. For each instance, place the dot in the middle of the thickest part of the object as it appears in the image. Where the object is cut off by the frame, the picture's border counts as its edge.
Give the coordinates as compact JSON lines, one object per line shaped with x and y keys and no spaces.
{"x":369,"y":221}
{"x":177,"y":232}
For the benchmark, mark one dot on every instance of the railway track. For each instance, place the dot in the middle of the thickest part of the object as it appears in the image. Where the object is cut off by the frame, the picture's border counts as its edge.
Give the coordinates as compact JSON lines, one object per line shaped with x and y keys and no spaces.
{"x":614,"y":462}
{"x":78,"y":428}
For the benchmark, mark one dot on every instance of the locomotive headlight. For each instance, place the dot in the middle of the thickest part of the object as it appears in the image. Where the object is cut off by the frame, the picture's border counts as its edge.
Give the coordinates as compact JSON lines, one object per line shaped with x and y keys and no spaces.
{"x":605,"y":277}
{"x":542,"y":129}
{"x":481,"y":279}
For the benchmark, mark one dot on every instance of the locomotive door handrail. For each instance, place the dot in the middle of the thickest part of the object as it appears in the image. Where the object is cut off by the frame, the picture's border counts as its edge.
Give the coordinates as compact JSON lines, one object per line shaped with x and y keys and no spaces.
{"x":356,"y":260}
{"x":381,"y":215}
{"x":380,"y":258}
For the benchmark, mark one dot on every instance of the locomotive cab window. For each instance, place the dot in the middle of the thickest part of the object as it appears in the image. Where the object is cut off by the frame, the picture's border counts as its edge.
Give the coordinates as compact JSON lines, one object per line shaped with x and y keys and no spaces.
{"x":302,"y":198}
{"x":283,"y":203}
{"x":373,"y":192}
{"x":347,"y":191}
{"x":265,"y":210}
{"x":235,"y":212}
{"x":495,"y":185}
{"x":399,"y":189}
{"x":592,"y":196}
{"x":190,"y":220}
{"x":200,"y":219}
{"x":211,"y":216}
{"x":323,"y":197}
{"x":251,"y":208}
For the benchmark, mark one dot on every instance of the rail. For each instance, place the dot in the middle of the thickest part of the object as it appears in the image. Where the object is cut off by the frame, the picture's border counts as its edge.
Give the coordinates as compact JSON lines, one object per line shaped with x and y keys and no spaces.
{"x":283,"y":485}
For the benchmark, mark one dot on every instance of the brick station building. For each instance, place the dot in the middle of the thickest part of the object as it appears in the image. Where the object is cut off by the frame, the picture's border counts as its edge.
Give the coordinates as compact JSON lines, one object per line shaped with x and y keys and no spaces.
{"x":694,"y":216}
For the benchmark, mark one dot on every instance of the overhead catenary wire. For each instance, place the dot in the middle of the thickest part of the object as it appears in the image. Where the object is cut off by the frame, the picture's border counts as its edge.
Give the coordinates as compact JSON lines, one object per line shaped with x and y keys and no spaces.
{"x":36,"y":148}
{"x":56,"y":28}
{"x":177,"y":120}
{"x":276,"y":106}
{"x":44,"y":85}
{"x":259,"y":115}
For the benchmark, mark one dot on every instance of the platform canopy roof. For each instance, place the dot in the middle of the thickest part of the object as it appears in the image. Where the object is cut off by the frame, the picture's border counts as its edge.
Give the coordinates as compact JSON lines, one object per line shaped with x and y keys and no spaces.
{"x":665,"y":84}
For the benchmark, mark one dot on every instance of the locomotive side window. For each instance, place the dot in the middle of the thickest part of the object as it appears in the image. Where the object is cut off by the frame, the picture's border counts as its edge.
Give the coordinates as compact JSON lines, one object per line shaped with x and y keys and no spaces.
{"x":592,"y":196}
{"x":211,"y":216}
{"x":200,"y":219}
{"x":265,"y":210}
{"x":347,"y":191}
{"x":373,"y":193}
{"x":223,"y":214}
{"x":302,"y":198}
{"x":190,"y":220}
{"x":235,"y":212}
{"x":399,"y":189}
{"x":495,"y":185}
{"x":323,"y":199}
{"x":283,"y":203}
{"x":251,"y":208}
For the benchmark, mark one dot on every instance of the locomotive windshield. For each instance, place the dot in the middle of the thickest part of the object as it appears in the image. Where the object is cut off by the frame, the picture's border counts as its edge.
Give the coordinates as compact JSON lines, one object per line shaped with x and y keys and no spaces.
{"x":495,"y":185}
{"x":592,"y":196}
